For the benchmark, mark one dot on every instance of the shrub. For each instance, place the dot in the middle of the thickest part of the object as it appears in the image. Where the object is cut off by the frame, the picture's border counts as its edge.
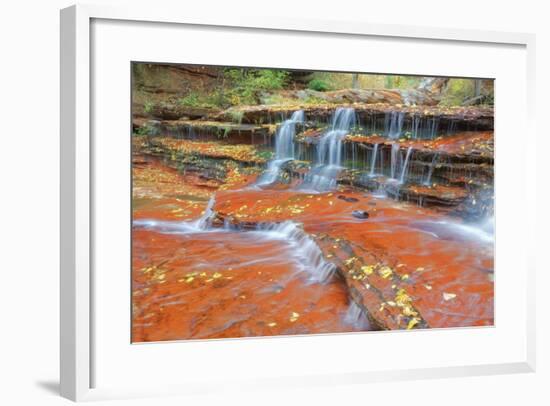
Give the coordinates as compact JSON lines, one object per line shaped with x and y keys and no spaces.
{"x":318,"y":85}
{"x":148,"y":106}
{"x":249,"y":83}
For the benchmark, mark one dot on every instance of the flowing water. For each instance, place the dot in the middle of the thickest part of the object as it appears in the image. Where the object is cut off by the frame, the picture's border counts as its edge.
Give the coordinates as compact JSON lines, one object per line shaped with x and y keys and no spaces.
{"x":394,"y":163}
{"x":373,"y":159}
{"x":250,"y":282}
{"x":428,"y":180}
{"x":403,"y":177}
{"x":323,"y":176}
{"x":284,"y":149}
{"x":394,"y":124}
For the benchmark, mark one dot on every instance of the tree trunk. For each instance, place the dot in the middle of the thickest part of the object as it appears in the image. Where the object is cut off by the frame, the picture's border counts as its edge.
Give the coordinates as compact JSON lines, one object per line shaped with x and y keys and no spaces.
{"x":355,"y":81}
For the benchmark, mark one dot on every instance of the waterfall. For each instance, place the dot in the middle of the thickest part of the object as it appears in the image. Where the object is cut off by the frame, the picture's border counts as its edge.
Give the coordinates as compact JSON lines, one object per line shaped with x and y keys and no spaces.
{"x":205,"y":221}
{"x":394,"y":158}
{"x":428,"y":180}
{"x":303,"y":248}
{"x":323,"y":176}
{"x":356,"y":317}
{"x":415,"y":124}
{"x":373,"y":159}
{"x":284,"y":148}
{"x":433,"y":128}
{"x":200,"y":225}
{"x":405,"y":164}
{"x":395,"y":127}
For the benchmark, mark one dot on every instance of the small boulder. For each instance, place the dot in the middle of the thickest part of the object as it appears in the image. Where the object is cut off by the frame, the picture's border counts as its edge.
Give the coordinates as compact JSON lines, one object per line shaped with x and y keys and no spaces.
{"x":360,"y":214}
{"x":348,"y":199}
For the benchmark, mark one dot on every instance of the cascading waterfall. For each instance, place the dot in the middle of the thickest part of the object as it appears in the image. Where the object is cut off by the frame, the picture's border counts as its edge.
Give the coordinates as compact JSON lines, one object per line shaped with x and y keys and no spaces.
{"x":284,"y":149}
{"x":200,"y":225}
{"x":373,"y":160}
{"x":395,"y":127}
{"x":303,"y":248}
{"x":428,"y":180}
{"x":394,"y":160}
{"x":307,"y":256}
{"x":405,"y":164}
{"x":329,"y":152}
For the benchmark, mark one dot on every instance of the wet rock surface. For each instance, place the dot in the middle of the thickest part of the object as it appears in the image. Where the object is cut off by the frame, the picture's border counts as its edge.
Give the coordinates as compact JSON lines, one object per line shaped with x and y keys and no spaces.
{"x":404,"y":231}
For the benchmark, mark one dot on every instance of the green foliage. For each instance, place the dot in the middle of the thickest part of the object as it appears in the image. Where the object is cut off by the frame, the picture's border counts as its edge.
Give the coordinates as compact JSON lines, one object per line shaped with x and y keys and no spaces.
{"x":236,"y":116}
{"x":315,"y":100}
{"x":267,"y":155}
{"x":191,"y":100}
{"x":145,"y":130}
{"x":318,"y":85}
{"x":458,"y":90}
{"x":247,"y":84}
{"x":148,"y":106}
{"x":199,"y":100}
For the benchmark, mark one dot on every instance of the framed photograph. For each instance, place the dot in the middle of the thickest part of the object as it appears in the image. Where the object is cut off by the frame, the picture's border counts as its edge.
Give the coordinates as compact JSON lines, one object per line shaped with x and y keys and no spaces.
{"x":291,"y":202}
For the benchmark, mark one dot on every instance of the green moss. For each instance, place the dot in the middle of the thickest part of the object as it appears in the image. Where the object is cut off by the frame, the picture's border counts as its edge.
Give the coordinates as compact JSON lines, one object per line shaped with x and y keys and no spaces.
{"x":318,"y":85}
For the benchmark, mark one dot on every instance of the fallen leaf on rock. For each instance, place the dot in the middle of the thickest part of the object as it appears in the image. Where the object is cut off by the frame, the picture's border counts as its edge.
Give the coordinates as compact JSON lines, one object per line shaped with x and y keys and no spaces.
{"x":412,"y":322}
{"x":350,"y":260}
{"x":385,"y":272}
{"x":367,"y":269}
{"x":448,"y":296}
{"x":294,"y":316}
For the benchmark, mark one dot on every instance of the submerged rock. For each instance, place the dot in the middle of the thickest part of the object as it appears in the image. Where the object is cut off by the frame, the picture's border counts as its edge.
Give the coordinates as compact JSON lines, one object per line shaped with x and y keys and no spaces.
{"x":360,"y":214}
{"x":348,"y":199}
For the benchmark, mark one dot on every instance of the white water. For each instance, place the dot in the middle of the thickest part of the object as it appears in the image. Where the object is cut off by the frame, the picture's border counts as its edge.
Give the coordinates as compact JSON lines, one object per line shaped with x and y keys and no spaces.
{"x":324,"y":175}
{"x":405,"y":164}
{"x":356,"y":317}
{"x":394,"y":160}
{"x":301,"y":248}
{"x":373,"y":160}
{"x":284,"y":149}
{"x":200,"y":225}
{"x":428,"y":180}
{"x":449,"y":229}
{"x":395,"y":127}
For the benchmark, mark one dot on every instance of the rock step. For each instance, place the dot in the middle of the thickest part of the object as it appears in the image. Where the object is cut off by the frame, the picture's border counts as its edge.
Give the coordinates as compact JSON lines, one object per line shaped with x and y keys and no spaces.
{"x":460,"y":118}
{"x":232,"y":133}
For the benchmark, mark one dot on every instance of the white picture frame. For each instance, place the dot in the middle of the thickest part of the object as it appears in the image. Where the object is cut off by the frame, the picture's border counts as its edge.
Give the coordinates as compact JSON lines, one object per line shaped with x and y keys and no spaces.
{"x":77,"y":282}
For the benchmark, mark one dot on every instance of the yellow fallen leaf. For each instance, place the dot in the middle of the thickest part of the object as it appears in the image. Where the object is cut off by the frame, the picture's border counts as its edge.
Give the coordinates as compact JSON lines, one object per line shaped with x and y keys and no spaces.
{"x":272,"y":324}
{"x":350,"y":260}
{"x":405,"y":277}
{"x":367,"y":269}
{"x":217,"y":275}
{"x":294,"y":316}
{"x":412,"y":322}
{"x":428,"y":287}
{"x":385,"y":272}
{"x":448,"y":296}
{"x":190,"y":279}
